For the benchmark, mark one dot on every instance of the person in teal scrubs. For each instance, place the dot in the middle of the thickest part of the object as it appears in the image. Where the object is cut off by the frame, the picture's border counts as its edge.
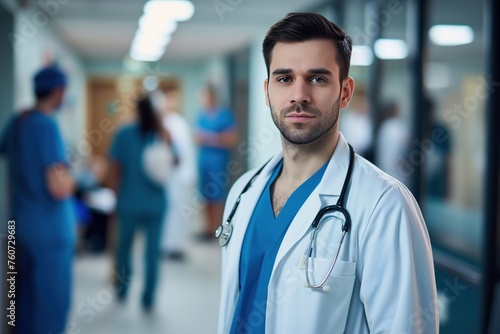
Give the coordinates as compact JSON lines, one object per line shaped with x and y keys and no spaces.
{"x":141,"y":203}
{"x":40,"y":190}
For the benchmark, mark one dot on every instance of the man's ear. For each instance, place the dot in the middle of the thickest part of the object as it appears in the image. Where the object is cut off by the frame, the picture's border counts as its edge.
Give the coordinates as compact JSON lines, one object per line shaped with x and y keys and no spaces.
{"x":266,"y":85}
{"x":346,"y":92}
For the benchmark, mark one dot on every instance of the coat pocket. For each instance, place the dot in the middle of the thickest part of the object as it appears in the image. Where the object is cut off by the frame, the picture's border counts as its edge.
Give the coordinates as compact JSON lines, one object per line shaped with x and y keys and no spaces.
{"x":326,"y":309}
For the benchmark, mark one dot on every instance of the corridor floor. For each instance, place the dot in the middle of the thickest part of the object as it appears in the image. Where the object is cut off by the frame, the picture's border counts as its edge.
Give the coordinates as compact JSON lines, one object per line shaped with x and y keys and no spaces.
{"x":187,"y":298}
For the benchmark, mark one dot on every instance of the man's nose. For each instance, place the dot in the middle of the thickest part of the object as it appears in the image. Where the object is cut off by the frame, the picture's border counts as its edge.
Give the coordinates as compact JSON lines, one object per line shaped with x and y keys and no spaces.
{"x":300,"y":92}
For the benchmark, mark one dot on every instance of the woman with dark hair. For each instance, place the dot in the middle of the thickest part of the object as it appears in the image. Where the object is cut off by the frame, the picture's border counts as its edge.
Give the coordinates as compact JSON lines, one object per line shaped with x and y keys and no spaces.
{"x":141,"y":203}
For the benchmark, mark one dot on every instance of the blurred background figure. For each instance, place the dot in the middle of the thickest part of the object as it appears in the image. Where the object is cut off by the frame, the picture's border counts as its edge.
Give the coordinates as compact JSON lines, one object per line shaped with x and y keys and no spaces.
{"x":141,"y":204}
{"x":182,"y":182}
{"x":438,"y":164}
{"x":356,"y":124}
{"x":216,"y":135}
{"x":392,"y":143}
{"x":95,"y":203}
{"x":40,"y":189}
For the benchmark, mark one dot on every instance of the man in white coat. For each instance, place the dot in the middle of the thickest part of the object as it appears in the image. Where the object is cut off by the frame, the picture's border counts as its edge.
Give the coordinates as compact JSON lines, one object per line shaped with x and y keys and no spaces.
{"x":277,"y":274}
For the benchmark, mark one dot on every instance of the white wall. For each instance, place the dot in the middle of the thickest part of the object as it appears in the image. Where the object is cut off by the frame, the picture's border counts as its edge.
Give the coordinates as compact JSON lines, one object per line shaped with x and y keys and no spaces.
{"x":35,"y":45}
{"x":263,"y":136}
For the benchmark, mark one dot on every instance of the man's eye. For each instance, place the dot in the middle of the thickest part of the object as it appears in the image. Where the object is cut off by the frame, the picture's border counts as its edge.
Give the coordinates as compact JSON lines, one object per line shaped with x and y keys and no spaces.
{"x":284,"y":79}
{"x":318,"y":80}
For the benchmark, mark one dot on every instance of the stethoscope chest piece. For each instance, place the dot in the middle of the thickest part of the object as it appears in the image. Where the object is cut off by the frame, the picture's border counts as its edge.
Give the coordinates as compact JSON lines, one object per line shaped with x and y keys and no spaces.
{"x":223,"y":233}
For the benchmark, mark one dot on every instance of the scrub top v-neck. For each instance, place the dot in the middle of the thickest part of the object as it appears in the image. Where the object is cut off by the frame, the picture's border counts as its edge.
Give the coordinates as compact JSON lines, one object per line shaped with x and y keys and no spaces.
{"x":262,"y":241}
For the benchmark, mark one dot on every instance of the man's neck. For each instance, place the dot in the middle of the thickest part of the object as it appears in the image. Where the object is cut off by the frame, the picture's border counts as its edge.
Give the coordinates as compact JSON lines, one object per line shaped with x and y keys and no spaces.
{"x":45,"y":107}
{"x":302,"y":161}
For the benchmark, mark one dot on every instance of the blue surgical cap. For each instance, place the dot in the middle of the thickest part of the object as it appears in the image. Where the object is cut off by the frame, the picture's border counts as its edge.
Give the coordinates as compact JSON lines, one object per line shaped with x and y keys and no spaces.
{"x":49,"y":78}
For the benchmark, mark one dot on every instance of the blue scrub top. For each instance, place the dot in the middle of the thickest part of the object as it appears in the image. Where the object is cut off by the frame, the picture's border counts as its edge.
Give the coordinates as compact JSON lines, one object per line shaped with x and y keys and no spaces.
{"x":260,"y":246}
{"x":213,"y":160}
{"x":216,"y":121}
{"x":32,"y":143}
{"x":137,"y":195}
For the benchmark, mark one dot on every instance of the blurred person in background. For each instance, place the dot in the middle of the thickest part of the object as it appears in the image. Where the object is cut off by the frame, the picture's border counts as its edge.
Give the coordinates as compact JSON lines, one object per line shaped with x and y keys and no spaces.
{"x":216,"y":135}
{"x":392,"y":143}
{"x":141,"y":203}
{"x":357,"y":126}
{"x":94,"y":202}
{"x":183,"y":179}
{"x":438,"y":165}
{"x":40,"y":189}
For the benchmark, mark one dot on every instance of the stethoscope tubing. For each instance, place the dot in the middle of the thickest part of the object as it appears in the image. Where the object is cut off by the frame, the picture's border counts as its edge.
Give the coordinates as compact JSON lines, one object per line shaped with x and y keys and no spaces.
{"x":224,"y":231}
{"x":322,"y":284}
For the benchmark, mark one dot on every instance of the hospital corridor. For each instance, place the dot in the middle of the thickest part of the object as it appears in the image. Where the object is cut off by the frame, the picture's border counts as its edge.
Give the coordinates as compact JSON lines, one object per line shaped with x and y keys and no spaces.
{"x":188,"y":295}
{"x":249,"y":166}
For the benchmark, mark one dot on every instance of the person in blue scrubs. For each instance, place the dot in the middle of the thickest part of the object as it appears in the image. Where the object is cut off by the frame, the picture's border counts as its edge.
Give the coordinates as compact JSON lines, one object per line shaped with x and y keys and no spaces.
{"x":40,"y":187}
{"x":141,"y":203}
{"x":216,"y":134}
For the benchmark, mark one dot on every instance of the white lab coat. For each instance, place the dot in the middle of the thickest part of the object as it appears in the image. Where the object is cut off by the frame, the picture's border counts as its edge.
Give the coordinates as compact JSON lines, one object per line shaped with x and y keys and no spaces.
{"x":383,"y":281}
{"x":181,"y":184}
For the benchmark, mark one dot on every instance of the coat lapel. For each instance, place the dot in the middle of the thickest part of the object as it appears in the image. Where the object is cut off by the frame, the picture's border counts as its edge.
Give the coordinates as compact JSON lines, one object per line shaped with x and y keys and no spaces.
{"x":244,"y":214}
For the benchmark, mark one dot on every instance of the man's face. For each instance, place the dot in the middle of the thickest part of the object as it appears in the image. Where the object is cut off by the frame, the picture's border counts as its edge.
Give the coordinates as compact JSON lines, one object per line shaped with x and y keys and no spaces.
{"x":303,"y":90}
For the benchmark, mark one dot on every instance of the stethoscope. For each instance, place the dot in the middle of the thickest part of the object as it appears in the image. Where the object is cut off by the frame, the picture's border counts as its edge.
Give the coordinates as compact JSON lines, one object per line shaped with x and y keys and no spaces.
{"x":225,"y":230}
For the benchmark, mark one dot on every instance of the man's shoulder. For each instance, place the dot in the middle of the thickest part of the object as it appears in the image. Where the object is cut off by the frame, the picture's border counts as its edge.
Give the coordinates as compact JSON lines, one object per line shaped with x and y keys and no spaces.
{"x":376,"y":182}
{"x":37,"y":119}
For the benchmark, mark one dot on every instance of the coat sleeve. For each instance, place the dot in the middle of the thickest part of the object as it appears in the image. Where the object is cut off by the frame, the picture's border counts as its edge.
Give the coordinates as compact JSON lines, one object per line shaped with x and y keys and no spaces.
{"x":396,"y":269}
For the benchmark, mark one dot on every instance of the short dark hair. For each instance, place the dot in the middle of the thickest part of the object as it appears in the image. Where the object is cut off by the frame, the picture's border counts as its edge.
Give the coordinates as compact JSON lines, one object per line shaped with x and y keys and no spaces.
{"x":301,"y":27}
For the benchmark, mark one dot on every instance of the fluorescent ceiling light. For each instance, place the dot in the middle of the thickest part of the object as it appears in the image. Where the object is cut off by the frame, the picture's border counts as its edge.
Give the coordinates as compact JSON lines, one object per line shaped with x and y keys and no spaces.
{"x":386,"y":48}
{"x":362,"y":55}
{"x":148,"y":47}
{"x":178,"y":10}
{"x":451,"y":35}
{"x":150,"y":40}
{"x":156,"y":25}
{"x":146,"y":52}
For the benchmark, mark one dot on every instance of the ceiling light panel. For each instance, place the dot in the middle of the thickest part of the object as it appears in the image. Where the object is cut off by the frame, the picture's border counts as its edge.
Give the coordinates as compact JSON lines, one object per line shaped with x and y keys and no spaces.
{"x":386,"y":48}
{"x":451,"y":35}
